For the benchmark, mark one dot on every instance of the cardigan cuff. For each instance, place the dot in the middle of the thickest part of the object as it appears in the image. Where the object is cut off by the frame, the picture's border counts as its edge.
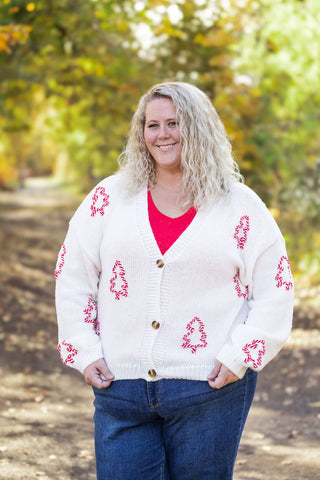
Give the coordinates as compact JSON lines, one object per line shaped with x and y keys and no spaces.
{"x":88,"y":356}
{"x":230,"y":360}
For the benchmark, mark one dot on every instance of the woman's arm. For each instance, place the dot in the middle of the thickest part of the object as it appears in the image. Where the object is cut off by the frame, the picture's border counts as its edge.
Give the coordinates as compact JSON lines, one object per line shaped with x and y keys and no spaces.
{"x":77,"y":278}
{"x":253,"y":342}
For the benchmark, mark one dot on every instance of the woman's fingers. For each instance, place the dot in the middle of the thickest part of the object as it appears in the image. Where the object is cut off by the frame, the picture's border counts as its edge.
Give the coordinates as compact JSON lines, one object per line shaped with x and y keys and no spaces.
{"x":221,"y":376}
{"x":98,"y":374}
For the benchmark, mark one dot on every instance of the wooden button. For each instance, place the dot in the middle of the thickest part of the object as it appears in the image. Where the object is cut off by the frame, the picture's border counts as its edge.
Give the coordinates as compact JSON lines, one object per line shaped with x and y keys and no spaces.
{"x":155,"y":325}
{"x":152,"y":373}
{"x":160,"y":263}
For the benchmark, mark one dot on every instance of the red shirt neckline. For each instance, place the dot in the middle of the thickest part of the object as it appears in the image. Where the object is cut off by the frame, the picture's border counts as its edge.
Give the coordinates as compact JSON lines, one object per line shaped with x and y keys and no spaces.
{"x":151,"y":205}
{"x":167,"y":230}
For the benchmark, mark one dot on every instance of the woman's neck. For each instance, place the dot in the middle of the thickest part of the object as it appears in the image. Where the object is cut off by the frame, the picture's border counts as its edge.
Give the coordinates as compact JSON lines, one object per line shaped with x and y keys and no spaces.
{"x":169,"y":181}
{"x":167,"y":194}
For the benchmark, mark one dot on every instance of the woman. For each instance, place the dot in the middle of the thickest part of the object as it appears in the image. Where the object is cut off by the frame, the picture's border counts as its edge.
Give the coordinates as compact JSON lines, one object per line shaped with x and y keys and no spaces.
{"x":173,"y":291}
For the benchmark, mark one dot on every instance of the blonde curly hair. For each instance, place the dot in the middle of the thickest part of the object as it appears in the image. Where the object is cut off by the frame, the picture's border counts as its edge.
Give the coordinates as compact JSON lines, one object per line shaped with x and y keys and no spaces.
{"x":207,"y":164}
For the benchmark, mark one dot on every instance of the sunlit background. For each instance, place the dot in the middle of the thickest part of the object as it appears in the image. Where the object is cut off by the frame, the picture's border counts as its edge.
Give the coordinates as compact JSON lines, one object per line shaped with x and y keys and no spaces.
{"x":73,"y":71}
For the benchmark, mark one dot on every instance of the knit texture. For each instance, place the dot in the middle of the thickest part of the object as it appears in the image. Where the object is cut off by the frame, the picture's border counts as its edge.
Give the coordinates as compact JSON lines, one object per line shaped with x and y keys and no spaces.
{"x":223,"y":290}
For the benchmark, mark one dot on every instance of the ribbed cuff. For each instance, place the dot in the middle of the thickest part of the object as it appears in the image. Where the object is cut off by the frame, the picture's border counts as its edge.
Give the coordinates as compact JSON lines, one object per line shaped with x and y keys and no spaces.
{"x":232,"y":361}
{"x":86,"y":357}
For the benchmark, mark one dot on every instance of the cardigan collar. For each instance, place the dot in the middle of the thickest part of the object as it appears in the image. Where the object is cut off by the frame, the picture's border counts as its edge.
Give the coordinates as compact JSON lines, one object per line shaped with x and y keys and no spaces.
{"x":147,"y":235}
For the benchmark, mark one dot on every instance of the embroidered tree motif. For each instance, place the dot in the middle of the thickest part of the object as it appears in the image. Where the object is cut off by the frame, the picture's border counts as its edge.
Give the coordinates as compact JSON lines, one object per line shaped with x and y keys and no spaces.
{"x":241,"y":293}
{"x":241,"y":231}
{"x":100,"y":200}
{"x":284,"y":277}
{"x":60,"y":261}
{"x":195,"y":336}
{"x":254,"y":352}
{"x":118,"y":283}
{"x":67,"y":352}
{"x":91,"y":315}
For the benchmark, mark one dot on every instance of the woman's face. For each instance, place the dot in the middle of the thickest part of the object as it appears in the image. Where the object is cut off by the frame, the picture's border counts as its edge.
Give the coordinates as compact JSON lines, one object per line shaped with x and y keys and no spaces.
{"x":162,"y":135}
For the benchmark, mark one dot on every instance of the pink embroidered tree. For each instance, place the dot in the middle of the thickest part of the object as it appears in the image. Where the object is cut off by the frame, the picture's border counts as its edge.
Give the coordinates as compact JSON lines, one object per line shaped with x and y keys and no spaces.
{"x":91,"y":315}
{"x":254,"y":352}
{"x":195,"y":336}
{"x":118,"y":283}
{"x":284,"y":277}
{"x":67,"y":352}
{"x":60,"y":261}
{"x":241,"y":231}
{"x":241,"y":291}
{"x":100,"y":200}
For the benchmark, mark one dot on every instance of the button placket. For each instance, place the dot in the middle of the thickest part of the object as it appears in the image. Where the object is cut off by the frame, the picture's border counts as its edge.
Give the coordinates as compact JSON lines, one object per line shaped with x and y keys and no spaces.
{"x":154,"y":325}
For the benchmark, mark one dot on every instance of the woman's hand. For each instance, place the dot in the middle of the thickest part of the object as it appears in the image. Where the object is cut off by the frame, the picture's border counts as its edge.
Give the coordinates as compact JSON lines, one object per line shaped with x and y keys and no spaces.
{"x":98,"y":374}
{"x":221,"y":376}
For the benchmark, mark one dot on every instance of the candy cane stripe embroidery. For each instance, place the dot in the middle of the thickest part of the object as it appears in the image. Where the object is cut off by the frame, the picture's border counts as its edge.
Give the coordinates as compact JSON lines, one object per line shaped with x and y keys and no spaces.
{"x":60,"y":261}
{"x":118,"y":283}
{"x":284,"y":277}
{"x":67,"y":352}
{"x":195,"y":333}
{"x":97,"y":327}
{"x":100,"y":200}
{"x":240,"y":292}
{"x":254,"y":352}
{"x":91,"y":315}
{"x":241,"y":231}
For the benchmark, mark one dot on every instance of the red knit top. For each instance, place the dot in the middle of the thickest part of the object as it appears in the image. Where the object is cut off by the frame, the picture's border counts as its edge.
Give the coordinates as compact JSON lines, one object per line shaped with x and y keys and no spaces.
{"x":167,"y":230}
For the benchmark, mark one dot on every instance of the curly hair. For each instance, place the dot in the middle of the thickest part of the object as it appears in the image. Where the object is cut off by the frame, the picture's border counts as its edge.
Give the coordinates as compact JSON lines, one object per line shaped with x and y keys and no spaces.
{"x":208,"y":168}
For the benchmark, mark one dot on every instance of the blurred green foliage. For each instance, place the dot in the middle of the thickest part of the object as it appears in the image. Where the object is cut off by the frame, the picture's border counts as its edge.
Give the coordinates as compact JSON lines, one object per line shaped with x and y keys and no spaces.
{"x":72,"y":71}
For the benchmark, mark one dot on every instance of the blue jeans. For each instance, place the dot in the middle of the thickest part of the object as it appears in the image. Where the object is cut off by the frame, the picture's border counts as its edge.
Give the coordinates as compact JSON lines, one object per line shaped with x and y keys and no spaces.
{"x":170,"y":429}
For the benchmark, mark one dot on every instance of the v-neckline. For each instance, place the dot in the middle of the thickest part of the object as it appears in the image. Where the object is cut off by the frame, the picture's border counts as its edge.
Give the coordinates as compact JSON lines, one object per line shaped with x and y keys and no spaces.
{"x":147,"y":234}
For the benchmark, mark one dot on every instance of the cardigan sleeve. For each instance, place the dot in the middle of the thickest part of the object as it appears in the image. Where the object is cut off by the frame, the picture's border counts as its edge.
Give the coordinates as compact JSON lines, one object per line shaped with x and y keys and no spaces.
{"x":77,"y":276}
{"x":258,"y":335}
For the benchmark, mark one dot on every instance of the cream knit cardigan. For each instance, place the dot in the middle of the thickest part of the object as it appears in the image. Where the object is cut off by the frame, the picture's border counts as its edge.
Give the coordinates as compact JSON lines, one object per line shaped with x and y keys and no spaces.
{"x":222,"y":291}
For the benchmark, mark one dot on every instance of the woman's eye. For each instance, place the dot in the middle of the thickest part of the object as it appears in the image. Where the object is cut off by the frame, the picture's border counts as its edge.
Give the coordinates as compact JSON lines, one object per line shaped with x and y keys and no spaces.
{"x":152,"y":125}
{"x":173,"y":124}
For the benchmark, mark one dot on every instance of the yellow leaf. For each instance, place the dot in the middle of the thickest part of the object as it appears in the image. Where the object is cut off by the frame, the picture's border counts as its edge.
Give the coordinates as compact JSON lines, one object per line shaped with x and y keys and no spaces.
{"x":275,"y":212}
{"x":8,"y":173}
{"x":219,"y":60}
{"x":4,"y":39}
{"x":30,"y":7}
{"x":199,"y":38}
{"x":246,"y":165}
{"x":316,"y":238}
{"x":16,"y":35}
{"x":122,"y":26}
{"x":216,"y":38}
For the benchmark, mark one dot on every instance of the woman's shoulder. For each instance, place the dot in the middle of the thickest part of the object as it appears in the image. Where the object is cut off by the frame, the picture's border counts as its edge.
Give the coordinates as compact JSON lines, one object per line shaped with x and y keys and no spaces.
{"x":112,"y":182}
{"x":246,"y":203}
{"x":112,"y":188}
{"x":244,"y":196}
{"x":98,"y":200}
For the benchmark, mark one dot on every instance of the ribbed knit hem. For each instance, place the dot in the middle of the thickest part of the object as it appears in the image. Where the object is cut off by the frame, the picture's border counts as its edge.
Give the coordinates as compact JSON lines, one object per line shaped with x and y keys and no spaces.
{"x":188,"y":372}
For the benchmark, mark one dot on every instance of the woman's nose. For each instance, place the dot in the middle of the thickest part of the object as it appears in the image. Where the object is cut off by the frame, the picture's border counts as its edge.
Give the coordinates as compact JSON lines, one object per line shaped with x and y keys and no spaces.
{"x":163,"y":131}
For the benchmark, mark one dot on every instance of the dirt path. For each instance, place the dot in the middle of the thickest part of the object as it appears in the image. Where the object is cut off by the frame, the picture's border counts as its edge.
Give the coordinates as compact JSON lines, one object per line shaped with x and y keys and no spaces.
{"x":46,"y":409}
